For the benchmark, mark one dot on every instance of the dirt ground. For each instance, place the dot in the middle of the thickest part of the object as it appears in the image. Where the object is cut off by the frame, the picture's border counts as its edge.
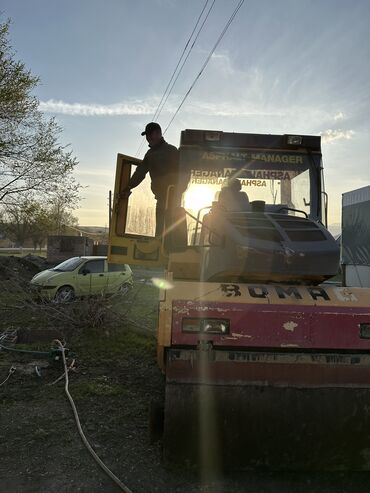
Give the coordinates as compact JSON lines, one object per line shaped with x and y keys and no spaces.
{"x":115,"y":379}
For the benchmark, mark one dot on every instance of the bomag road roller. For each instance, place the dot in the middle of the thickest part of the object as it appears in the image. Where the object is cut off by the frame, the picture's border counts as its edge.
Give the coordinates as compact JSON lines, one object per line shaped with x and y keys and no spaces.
{"x":266,"y":362}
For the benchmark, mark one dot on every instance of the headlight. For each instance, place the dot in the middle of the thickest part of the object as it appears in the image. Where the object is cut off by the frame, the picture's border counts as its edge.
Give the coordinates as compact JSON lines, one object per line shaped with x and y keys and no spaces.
{"x":364,"y":331}
{"x":216,"y":326}
{"x":191,"y":324}
{"x":206,"y":325}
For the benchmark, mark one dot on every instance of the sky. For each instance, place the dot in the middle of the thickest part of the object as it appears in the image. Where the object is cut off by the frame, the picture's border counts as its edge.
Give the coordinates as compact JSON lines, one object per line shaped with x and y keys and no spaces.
{"x":287,"y":66}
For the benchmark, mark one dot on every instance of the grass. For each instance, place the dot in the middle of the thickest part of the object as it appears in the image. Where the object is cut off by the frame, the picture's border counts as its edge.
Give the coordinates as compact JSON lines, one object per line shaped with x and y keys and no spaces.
{"x":102,"y":353}
{"x":127,"y":337}
{"x":139,"y":309}
{"x":116,"y":376}
{"x":141,"y":304}
{"x":123,"y":342}
{"x":40,"y":434}
{"x":128,"y":326}
{"x":98,"y":387}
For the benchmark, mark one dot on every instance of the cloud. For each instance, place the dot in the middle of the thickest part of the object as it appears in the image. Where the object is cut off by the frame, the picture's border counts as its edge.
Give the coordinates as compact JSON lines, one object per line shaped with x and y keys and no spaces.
{"x":332,"y":135}
{"x":138,"y":107}
{"x":232,"y":109}
{"x":280,"y":118}
{"x":339,"y":116}
{"x":226,"y":108}
{"x":222,"y":63}
{"x":257,"y":113}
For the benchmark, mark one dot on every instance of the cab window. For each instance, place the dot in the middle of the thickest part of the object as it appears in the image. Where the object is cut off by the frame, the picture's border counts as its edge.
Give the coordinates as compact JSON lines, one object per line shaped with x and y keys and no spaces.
{"x":141,"y":209}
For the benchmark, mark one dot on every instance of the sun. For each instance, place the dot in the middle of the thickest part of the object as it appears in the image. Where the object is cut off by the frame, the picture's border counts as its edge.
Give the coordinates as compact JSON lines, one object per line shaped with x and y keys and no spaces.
{"x":198,"y":196}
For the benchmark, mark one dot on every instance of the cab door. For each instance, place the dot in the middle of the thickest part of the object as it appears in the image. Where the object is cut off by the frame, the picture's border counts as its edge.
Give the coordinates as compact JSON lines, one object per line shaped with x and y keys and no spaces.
{"x":131,"y":234}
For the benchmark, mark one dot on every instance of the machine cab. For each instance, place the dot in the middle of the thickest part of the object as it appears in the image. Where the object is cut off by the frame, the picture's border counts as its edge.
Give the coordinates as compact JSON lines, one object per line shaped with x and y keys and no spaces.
{"x":276,"y":210}
{"x":283,"y":171}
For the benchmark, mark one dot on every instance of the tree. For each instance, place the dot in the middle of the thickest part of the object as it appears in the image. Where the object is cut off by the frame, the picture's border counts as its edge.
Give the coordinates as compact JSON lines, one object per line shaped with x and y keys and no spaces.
{"x":17,"y":223}
{"x":31,"y":220}
{"x":52,"y":220}
{"x":32,"y":161}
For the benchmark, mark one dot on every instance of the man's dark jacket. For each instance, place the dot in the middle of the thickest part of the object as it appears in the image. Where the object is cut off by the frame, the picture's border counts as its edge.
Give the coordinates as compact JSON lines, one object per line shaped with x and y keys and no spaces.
{"x":162,"y":163}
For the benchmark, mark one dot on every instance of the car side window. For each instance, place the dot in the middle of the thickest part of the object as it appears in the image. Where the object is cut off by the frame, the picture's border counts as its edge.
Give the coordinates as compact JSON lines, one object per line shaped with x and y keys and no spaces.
{"x":92,"y":267}
{"x":116,"y":267}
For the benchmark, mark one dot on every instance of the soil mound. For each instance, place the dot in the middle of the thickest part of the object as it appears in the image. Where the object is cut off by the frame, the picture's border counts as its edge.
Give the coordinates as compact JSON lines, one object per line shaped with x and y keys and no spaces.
{"x":21,"y":268}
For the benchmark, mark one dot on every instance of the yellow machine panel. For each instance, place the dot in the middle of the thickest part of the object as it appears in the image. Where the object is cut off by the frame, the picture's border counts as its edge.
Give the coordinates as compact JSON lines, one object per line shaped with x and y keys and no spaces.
{"x":123,"y":247}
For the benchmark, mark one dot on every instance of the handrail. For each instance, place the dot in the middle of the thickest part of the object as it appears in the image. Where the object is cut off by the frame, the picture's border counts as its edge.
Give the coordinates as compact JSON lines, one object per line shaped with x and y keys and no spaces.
{"x":326,"y":200}
{"x":198,"y":221}
{"x":202,"y":223}
{"x":292,"y":209}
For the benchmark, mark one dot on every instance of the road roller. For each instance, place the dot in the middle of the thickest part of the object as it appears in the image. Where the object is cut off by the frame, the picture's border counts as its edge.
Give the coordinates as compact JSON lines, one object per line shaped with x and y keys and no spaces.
{"x":266,"y":354}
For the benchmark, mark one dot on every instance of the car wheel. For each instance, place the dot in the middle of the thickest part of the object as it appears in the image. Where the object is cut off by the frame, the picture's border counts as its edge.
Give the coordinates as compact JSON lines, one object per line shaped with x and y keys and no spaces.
{"x":65,"y":294}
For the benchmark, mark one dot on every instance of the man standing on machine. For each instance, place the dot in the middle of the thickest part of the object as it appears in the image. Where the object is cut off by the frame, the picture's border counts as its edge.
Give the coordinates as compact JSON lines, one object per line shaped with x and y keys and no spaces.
{"x":162,"y":163}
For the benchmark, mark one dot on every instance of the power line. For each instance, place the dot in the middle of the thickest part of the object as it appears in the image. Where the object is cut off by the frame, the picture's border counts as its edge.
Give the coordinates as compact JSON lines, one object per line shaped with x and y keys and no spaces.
{"x":187,"y":56}
{"x":227,"y":25}
{"x":157,"y":112}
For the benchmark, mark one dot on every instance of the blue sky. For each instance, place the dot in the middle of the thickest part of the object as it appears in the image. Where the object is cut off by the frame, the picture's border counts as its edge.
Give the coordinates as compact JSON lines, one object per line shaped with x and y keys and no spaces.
{"x":286,"y":66}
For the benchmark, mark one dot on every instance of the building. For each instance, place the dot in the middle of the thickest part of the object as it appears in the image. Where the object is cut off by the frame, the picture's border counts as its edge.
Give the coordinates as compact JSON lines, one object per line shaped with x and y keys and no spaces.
{"x":356,"y":237}
{"x":60,"y":248}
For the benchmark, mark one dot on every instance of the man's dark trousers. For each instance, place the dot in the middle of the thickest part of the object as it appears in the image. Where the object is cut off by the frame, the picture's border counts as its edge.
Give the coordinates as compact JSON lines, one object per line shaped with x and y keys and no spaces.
{"x":159,"y":215}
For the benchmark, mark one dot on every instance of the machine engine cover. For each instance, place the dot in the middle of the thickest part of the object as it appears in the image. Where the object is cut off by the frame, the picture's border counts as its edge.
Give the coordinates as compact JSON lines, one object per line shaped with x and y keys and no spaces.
{"x":268,"y":247}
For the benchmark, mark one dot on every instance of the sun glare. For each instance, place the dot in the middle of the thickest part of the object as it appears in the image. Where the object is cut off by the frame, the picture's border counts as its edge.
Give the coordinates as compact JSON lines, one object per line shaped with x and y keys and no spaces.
{"x":198,"y":196}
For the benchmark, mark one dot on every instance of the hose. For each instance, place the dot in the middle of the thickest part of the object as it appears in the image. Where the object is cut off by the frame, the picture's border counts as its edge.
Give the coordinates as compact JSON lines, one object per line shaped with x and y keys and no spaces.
{"x":11,"y":371}
{"x":71,"y":367}
{"x":74,"y":409}
{"x":27,"y":351}
{"x":79,"y":427}
{"x":49,"y":354}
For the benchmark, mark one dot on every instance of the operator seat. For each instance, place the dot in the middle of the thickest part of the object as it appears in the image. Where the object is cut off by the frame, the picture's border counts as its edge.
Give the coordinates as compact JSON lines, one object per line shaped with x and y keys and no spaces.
{"x":232,"y":199}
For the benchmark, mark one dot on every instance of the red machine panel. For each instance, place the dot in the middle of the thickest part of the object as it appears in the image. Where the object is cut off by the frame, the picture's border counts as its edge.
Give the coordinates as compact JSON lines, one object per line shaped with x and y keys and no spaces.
{"x":274,"y":326}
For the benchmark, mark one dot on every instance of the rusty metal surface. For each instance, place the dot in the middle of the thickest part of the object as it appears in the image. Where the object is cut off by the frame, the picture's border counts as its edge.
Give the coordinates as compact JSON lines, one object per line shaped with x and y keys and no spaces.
{"x":275,"y":326}
{"x":187,"y":295}
{"x":243,"y":368}
{"x":267,"y":412}
{"x":287,"y":388}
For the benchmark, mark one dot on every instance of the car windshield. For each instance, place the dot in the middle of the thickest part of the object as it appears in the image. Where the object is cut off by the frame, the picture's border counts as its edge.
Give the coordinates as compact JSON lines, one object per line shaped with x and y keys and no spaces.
{"x":69,"y":265}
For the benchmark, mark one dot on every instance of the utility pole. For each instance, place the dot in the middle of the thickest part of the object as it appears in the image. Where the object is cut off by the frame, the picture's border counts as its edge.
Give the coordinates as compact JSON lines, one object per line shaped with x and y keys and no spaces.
{"x":110,"y":208}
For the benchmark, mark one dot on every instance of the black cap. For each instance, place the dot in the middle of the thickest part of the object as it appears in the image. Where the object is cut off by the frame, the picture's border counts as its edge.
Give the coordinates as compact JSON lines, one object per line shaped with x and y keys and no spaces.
{"x":151,"y":127}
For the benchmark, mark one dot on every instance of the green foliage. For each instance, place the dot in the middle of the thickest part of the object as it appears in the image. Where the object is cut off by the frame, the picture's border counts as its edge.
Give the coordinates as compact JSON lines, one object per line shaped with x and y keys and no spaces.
{"x":16,"y":84}
{"x":32,"y":161}
{"x":29,"y":219}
